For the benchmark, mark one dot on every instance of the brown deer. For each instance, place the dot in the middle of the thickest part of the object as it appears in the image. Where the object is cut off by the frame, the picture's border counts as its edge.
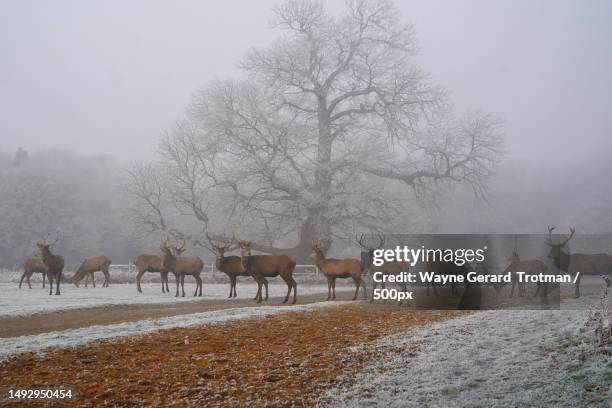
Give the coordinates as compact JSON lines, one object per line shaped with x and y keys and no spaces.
{"x":30,"y":267}
{"x":171,"y":261}
{"x":54,"y":263}
{"x":150,"y":263}
{"x":389,"y":268}
{"x":230,"y":265}
{"x":87,"y":269}
{"x":337,"y":268}
{"x":530,"y":267}
{"x":261,"y":267}
{"x":592,"y":264}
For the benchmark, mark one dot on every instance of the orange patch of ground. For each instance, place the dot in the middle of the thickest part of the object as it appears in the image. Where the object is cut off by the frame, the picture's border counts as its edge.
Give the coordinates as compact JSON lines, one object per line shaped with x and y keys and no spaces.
{"x":281,"y":360}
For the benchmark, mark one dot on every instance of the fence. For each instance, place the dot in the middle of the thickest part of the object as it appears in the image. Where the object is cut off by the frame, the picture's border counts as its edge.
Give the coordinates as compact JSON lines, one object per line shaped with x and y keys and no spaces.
{"x":211,"y":271}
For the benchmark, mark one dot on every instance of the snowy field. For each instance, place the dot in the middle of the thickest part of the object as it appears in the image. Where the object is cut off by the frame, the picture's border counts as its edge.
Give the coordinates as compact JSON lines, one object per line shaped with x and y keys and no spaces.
{"x":492,"y":359}
{"x":70,"y":338}
{"x":24,"y":301}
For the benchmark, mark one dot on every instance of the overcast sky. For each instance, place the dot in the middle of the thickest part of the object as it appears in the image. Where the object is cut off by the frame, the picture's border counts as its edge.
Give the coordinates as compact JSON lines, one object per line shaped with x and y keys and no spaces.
{"x":109,"y":76}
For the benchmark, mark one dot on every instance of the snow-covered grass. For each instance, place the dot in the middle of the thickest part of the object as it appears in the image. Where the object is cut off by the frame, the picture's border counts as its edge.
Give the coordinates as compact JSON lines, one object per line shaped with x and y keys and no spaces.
{"x":70,"y":338}
{"x":504,"y":358}
{"x":16,"y":302}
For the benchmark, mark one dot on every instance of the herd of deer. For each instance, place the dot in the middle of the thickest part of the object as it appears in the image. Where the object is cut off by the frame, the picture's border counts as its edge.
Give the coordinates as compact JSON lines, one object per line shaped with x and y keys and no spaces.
{"x":261,"y":267}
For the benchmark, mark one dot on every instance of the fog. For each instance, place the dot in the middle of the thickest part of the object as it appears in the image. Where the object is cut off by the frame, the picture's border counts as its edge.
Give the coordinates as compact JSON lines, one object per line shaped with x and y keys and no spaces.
{"x":110,"y":78}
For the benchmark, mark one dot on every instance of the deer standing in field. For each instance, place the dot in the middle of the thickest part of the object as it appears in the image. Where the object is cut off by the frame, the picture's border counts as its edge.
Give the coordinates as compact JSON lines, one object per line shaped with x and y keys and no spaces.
{"x":388,"y":268}
{"x":54,"y":263}
{"x":261,"y":267}
{"x":171,"y":261}
{"x":337,"y":268}
{"x":30,"y":267}
{"x":87,"y":269}
{"x":230,"y":265}
{"x":530,"y":267}
{"x":592,"y":264}
{"x":151,"y":263}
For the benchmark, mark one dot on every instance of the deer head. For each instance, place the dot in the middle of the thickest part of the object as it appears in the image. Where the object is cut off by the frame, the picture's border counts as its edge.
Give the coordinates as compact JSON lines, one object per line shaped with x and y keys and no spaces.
{"x":556,"y":248}
{"x":218,"y":248}
{"x":245,"y":246}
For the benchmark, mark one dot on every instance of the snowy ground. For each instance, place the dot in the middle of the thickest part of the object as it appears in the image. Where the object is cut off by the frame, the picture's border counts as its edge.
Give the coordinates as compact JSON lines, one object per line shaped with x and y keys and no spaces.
{"x":70,"y":338}
{"x":491,"y":359}
{"x":19,"y":302}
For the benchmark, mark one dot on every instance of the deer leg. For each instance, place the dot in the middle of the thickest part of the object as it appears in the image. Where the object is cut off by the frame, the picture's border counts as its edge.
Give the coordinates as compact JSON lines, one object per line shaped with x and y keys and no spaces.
{"x":198,"y":280}
{"x":44,"y":276}
{"x":294,"y":290}
{"x":333,"y":288}
{"x":265,"y":281}
{"x":166,"y":280}
{"x":29,"y":284}
{"x":512,"y":289}
{"x":21,"y":280}
{"x":537,"y":290}
{"x":357,"y":284}
{"x":235,"y":280}
{"x":577,"y":291}
{"x":259,"y":286}
{"x":50,"y":284}
{"x":328,"y":287}
{"x":363,"y":285}
{"x":140,"y":273}
{"x":287,"y":280}
{"x":163,"y":277}
{"x":57,"y":290}
{"x":374,"y":283}
{"x":178,"y":282}
{"x":183,"y":284}
{"x":231,"y":287}
{"x":383,"y":285}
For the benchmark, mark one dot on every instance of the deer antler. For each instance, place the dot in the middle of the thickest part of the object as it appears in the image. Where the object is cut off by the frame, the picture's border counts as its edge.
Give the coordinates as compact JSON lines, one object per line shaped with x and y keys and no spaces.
{"x":572,"y":231}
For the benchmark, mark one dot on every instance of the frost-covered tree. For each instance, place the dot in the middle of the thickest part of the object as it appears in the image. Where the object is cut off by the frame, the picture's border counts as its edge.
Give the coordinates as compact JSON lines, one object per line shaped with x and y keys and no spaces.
{"x":325,"y":134}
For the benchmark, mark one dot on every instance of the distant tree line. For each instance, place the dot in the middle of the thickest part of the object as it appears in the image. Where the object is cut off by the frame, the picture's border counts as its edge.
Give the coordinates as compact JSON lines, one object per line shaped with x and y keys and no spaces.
{"x":58,"y":192}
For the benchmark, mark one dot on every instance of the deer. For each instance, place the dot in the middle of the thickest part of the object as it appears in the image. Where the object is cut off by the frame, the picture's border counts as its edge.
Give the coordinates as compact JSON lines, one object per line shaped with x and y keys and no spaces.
{"x":388,"y":268}
{"x":87,"y":269}
{"x":230,"y":265}
{"x":150,"y":263}
{"x":261,"y":267}
{"x":592,"y":264}
{"x":54,"y":263}
{"x":171,"y":261}
{"x":439,"y":267}
{"x":30,"y":267}
{"x":530,"y":267}
{"x":337,"y":268}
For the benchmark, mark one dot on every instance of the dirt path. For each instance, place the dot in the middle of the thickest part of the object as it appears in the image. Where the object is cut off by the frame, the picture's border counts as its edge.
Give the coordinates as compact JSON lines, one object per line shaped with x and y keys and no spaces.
{"x":77,"y":318}
{"x":280,"y":360}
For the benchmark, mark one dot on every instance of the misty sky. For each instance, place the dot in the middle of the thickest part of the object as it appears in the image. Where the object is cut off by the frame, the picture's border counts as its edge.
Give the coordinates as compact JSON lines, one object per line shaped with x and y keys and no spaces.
{"x":110,"y":76}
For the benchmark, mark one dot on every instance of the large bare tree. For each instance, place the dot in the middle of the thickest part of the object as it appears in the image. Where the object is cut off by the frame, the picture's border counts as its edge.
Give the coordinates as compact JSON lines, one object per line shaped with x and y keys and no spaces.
{"x":325,"y":132}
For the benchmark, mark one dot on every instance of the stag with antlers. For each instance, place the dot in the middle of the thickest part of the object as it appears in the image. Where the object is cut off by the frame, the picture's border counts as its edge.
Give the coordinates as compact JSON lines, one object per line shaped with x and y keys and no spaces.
{"x":337,"y":268}
{"x":261,"y":267}
{"x":230,"y":265}
{"x":171,"y":261}
{"x":389,"y":268}
{"x":592,"y":264}
{"x":54,"y":263}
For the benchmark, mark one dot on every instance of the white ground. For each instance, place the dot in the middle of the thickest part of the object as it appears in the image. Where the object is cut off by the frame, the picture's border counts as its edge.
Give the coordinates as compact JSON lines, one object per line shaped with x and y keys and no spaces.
{"x":24,"y":301}
{"x":489,"y":359}
{"x":70,"y":338}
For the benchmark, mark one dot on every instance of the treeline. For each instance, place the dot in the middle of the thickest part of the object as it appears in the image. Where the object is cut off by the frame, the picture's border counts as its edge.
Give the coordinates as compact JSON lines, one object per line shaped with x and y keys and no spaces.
{"x":60,"y":193}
